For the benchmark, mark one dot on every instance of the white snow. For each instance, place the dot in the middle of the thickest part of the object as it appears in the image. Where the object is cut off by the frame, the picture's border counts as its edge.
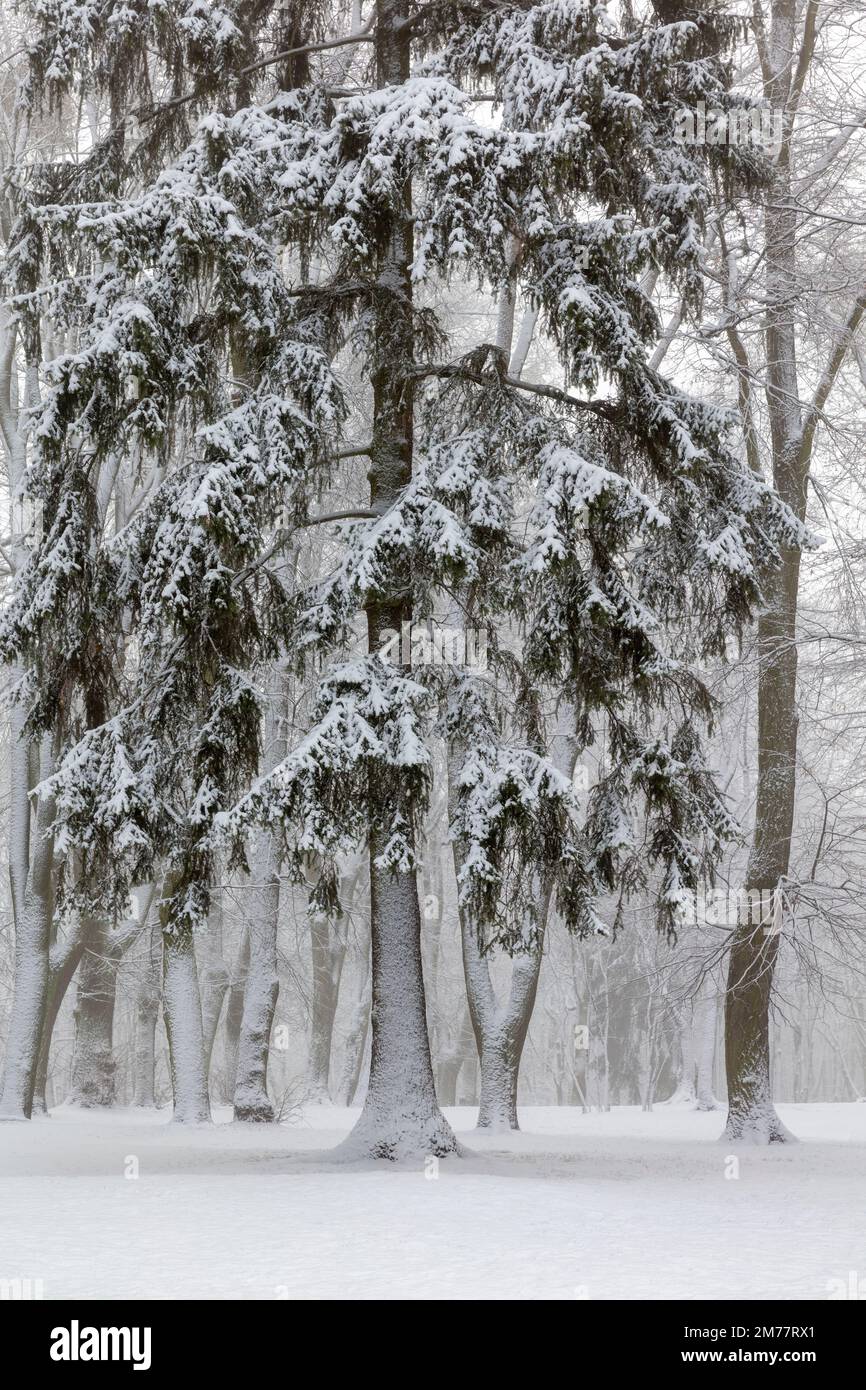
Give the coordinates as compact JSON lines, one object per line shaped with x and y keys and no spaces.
{"x":619,"y":1205}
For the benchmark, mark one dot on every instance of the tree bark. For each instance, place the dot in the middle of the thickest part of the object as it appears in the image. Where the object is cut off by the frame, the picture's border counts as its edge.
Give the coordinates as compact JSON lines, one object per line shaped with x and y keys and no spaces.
{"x":146,"y":1020}
{"x":234,"y":1016}
{"x":63,"y":961}
{"x":401,"y":1117}
{"x":751,"y":1114}
{"x":93,"y":1056}
{"x":251,"y":1100}
{"x":183,"y":1019}
{"x":262,"y":984}
{"x":32,"y":944}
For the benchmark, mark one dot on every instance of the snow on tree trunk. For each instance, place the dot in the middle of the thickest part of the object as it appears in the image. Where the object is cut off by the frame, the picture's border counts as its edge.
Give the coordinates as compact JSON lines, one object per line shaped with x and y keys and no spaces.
{"x":146,"y":1019}
{"x":706,"y":1012}
{"x":684,"y":1090}
{"x":183,"y":1021}
{"x":356,"y":1040}
{"x":262,"y":984}
{"x":214,"y":979}
{"x":500,"y":1030}
{"x":93,"y":1067}
{"x":752,"y":1116}
{"x":32,"y":943}
{"x":329,"y":936}
{"x":753,"y":956}
{"x":251,"y":1100}
{"x":63,"y":961}
{"x":234,"y":1016}
{"x":328,"y":946}
{"x":401,"y":1116}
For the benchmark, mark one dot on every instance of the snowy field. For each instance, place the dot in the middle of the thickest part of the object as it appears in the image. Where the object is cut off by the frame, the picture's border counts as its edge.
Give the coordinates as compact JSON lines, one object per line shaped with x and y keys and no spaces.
{"x":623,"y":1205}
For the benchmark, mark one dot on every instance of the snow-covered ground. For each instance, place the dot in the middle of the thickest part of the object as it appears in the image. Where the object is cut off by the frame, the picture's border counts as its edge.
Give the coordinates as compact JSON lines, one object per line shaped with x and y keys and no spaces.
{"x":622,"y":1205}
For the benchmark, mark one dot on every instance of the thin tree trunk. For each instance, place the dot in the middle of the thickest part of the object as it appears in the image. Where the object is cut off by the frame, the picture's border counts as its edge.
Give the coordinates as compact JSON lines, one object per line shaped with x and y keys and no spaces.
{"x":183,"y":1020}
{"x":214,"y":978}
{"x":356,"y":1039}
{"x":146,"y":1020}
{"x":234,"y":1016}
{"x":328,"y":939}
{"x":684,"y":1090}
{"x":705,"y":1020}
{"x":262,"y":983}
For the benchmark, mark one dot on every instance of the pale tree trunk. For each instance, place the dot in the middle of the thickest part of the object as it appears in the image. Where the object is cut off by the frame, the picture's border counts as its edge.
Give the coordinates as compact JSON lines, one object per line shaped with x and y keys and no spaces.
{"x":328,"y":940}
{"x":93,"y":1054}
{"x":251,"y":1100}
{"x":262,"y":984}
{"x":500,"y":1032}
{"x":32,"y":945}
{"x":146,"y":1019}
{"x":328,"y":947}
{"x":453,"y":1059}
{"x":500,"y":1029}
{"x":183,"y":1019}
{"x":684,"y":1090}
{"x":63,"y":961}
{"x":234,"y":1016}
{"x":93,"y":1065}
{"x":356,"y":1038}
{"x":401,"y":1117}
{"x":706,"y":1014}
{"x":214,"y":977}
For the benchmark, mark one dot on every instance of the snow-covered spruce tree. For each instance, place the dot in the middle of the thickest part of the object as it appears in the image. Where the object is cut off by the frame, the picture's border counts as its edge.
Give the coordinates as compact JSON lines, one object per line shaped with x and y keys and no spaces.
{"x":205,"y":349}
{"x":153,"y":284}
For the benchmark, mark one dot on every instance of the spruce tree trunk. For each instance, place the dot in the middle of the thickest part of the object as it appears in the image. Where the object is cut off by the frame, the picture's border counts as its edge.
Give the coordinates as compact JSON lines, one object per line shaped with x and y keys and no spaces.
{"x":401,"y":1117}
{"x":93,"y":1068}
{"x":183,"y":1020}
{"x":32,"y":944}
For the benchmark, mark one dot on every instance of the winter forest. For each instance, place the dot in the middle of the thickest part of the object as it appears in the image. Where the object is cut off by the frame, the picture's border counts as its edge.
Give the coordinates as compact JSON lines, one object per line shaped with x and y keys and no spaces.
{"x":433,"y":640}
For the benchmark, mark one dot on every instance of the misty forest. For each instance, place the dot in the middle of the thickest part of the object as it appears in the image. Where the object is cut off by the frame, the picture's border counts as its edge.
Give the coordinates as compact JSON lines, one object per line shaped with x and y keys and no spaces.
{"x":433,"y":637}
